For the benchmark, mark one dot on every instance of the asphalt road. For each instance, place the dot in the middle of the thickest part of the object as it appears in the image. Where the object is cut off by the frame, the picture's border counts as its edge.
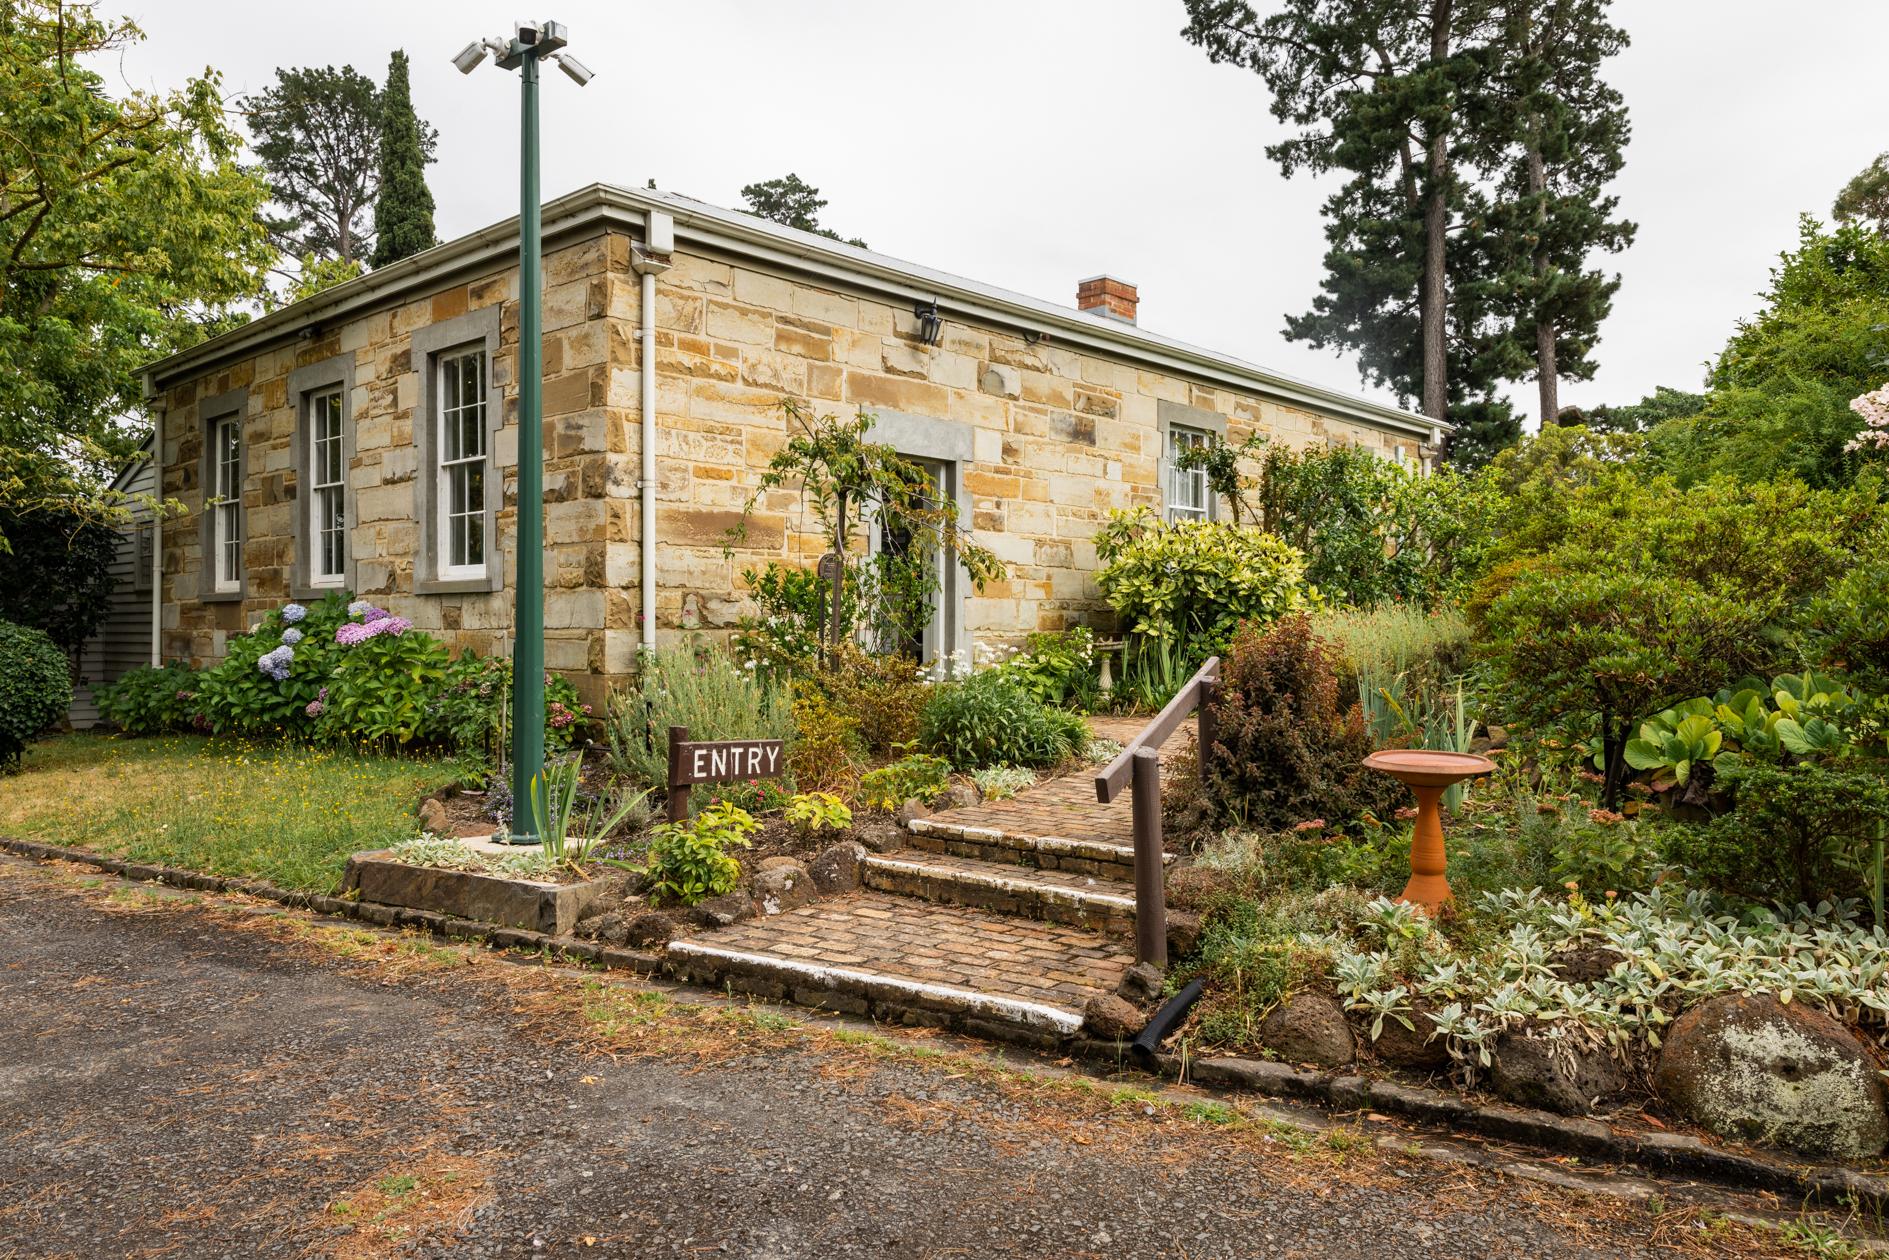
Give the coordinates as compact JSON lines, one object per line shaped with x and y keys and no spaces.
{"x":178,"y":1078}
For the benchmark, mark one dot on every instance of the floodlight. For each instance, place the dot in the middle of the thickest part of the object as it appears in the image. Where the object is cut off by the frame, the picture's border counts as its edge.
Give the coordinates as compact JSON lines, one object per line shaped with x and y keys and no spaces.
{"x":469,"y":57}
{"x":577,"y":70}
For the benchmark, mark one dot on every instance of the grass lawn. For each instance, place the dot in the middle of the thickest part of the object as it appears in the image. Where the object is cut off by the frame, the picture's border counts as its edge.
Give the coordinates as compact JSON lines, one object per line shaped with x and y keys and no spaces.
{"x":285,"y":813}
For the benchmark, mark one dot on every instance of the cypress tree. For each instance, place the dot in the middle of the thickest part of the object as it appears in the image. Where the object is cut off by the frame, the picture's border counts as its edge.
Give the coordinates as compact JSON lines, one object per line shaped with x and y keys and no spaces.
{"x":403,"y":216}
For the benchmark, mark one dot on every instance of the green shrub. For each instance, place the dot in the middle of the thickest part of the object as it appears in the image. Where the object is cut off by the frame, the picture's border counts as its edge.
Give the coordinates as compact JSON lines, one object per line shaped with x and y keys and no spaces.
{"x":1191,"y":583}
{"x":151,"y":700}
{"x":882,"y":693}
{"x":1059,"y":667}
{"x":814,"y":812}
{"x":689,"y":861}
{"x":471,"y":708}
{"x":384,"y":689}
{"x":701,"y":688}
{"x":794,"y":605}
{"x":919,"y":776}
{"x":824,"y":754}
{"x":264,"y":685}
{"x":1287,"y":748}
{"x":35,"y":688}
{"x":989,"y":719}
{"x":1797,"y":834}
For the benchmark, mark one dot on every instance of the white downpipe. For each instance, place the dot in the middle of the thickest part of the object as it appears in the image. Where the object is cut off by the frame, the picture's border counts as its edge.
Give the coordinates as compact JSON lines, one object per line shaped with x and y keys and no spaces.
{"x":157,"y":535}
{"x":648,"y":483}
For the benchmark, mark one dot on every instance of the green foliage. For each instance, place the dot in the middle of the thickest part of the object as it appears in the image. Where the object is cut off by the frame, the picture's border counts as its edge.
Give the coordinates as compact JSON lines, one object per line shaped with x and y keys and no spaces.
{"x":1676,"y":741}
{"x":795,"y":606}
{"x":131,"y":226}
{"x":1190,"y":584}
{"x":315,"y":273}
{"x":998,"y":783}
{"x":1058,"y":667}
{"x":826,"y":746}
{"x":314,"y":130}
{"x":915,"y":776}
{"x":882,"y":694}
{"x":403,"y":211}
{"x":471,"y":708}
{"x":848,"y":479}
{"x":1798,"y":834}
{"x":1780,"y":392}
{"x":792,"y":202}
{"x":989,"y":719}
{"x":151,"y":700}
{"x":56,"y":572}
{"x":1605,"y":857}
{"x":1287,"y":748}
{"x":1865,"y":199}
{"x":1664,"y":403}
{"x":1221,"y":461}
{"x":814,"y":812}
{"x":1847,"y":627}
{"x":35,"y":688}
{"x":236,"y":697}
{"x":689,"y":861}
{"x":699,"y":687}
{"x":381,"y":691}
{"x":570,"y":824}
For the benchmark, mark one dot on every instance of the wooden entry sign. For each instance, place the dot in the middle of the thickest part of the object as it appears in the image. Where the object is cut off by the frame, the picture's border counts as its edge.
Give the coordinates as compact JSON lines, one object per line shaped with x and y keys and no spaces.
{"x":717,"y":761}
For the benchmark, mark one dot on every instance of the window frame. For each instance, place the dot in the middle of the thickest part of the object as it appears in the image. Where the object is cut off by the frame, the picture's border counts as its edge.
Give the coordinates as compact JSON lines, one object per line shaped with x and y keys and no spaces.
{"x":448,"y":420}
{"x":327,"y":500}
{"x":1199,"y":504}
{"x":223,"y":524}
{"x":1171,"y":417}
{"x":431,"y":347}
{"x":307,"y":386}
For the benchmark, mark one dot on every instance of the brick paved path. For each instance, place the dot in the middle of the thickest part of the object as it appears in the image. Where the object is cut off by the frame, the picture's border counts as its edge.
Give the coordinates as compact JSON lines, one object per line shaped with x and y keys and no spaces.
{"x":1009,"y":914}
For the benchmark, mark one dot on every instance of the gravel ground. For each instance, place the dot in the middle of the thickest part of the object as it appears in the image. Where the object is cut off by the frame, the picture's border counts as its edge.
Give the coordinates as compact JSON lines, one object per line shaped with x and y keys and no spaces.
{"x":186,"y":1079}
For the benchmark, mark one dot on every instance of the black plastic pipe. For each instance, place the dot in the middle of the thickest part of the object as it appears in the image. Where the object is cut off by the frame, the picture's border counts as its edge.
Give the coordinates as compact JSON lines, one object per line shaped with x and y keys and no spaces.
{"x":1148,"y":1041}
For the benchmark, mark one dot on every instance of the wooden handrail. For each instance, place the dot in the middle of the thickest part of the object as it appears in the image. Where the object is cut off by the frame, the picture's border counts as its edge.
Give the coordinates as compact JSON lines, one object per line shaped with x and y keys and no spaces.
{"x":1114,"y":776}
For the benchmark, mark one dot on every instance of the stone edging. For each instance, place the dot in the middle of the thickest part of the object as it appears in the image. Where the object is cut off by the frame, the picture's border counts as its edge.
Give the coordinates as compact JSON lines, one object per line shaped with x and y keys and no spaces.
{"x":1589,"y":1139}
{"x":1829,"y":1184}
{"x":472,"y":930}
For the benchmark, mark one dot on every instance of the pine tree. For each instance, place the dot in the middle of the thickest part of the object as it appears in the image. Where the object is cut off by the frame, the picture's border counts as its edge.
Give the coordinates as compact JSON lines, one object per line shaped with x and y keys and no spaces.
{"x":1556,"y":135}
{"x":791,"y":202}
{"x":315,"y":130}
{"x":403,"y":214}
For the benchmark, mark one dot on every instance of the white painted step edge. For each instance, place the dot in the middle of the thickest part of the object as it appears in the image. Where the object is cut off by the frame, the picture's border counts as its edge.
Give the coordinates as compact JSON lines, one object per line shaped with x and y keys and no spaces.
{"x":1029,"y":1014}
{"x":1002,"y":883}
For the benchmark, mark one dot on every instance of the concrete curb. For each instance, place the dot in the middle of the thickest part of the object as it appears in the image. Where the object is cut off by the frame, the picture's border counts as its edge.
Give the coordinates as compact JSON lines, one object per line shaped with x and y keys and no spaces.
{"x":1830,"y":1185}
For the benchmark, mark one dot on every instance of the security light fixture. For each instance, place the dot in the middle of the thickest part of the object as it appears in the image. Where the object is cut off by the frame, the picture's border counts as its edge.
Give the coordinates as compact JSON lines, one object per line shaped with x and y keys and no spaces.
{"x":578,"y":72}
{"x":470,"y":56}
{"x":930,"y":326}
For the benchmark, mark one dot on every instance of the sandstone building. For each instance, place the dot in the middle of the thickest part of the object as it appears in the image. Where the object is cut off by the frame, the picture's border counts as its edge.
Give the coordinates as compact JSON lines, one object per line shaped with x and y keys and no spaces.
{"x":365,"y":438}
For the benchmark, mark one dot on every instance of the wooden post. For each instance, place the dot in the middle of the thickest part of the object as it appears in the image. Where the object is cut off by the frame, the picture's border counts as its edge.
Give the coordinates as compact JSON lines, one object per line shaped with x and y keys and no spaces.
{"x":1151,"y":913}
{"x":839,"y":581}
{"x":1209,"y":726}
{"x":678,"y":792}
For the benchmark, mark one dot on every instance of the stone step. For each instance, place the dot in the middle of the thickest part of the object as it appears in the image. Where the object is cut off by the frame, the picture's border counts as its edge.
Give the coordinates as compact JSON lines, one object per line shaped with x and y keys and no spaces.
{"x":1056,"y":896}
{"x":915,"y":962}
{"x":1100,"y":859}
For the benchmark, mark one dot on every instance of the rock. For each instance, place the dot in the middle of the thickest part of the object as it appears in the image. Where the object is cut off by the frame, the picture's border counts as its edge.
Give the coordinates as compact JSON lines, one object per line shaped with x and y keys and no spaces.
{"x":1535,"y":1068}
{"x":721,"y":911}
{"x":433,"y":818}
{"x":1142,"y":984}
{"x":1309,"y":1028}
{"x":783,"y":885}
{"x":1751,"y":1067}
{"x":911,"y":811}
{"x":1183,"y":933}
{"x":1411,"y":1049}
{"x":1584,"y":966}
{"x":957,"y":796}
{"x":651,"y":927}
{"x":836,"y":869}
{"x":608,"y":928}
{"x":1110,"y":1018}
{"x":1498,"y":737}
{"x":779,"y":862}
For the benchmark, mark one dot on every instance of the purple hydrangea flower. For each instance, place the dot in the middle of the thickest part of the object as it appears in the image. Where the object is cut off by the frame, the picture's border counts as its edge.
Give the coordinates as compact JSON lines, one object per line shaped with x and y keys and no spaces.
{"x":291,"y":636}
{"x":360,"y":631}
{"x":351,"y":633}
{"x":276,"y":664}
{"x":313,"y":708}
{"x":293,"y":613}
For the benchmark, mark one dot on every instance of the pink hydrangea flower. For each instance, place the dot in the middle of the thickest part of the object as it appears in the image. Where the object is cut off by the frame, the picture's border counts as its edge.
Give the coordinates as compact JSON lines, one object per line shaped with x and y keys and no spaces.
{"x":313,"y":708}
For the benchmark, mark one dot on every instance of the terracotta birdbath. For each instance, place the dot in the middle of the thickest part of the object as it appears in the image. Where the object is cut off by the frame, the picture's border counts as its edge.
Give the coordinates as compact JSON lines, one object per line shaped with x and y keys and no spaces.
{"x":1429,"y":774}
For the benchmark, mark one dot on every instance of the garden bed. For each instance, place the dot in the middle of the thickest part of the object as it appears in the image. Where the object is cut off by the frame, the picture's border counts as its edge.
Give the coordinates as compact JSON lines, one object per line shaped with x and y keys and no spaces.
{"x":552,"y":904}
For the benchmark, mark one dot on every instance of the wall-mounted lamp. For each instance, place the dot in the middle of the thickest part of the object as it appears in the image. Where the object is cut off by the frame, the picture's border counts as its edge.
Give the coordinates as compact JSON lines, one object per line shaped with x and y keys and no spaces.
{"x":930,"y":326}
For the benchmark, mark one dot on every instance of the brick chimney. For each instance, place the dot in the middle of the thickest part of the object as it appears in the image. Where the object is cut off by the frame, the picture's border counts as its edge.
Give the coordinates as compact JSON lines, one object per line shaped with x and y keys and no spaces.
{"x":1105,"y":295}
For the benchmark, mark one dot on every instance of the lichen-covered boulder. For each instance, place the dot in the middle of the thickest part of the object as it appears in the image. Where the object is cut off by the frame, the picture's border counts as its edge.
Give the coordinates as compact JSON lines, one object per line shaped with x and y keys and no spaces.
{"x":650,"y":927}
{"x":1309,"y":1028}
{"x":837,"y":868}
{"x":1751,"y":1067}
{"x":1414,"y":1049}
{"x":1537,"y":1066}
{"x":781,"y":884}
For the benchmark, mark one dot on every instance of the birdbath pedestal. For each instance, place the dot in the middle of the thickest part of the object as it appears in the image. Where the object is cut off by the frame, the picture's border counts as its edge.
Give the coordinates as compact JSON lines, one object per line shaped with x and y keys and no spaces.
{"x":1429,"y":774}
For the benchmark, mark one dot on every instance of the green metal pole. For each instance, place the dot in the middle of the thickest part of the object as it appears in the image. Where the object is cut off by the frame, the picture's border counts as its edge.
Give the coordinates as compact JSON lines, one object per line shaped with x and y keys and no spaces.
{"x":528,"y":618}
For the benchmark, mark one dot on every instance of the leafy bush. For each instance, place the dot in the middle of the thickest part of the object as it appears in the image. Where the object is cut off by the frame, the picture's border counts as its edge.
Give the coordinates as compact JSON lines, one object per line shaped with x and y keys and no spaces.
{"x":690,"y":861}
{"x":382,"y":689}
{"x":883,"y":694}
{"x":784,"y":637}
{"x":1847,"y":628}
{"x":1798,"y":834}
{"x":997,"y":783}
{"x":919,"y":776}
{"x":824,"y":754}
{"x":35,"y":688}
{"x":1191,"y":583}
{"x":1287,"y":749}
{"x":814,"y":812}
{"x":471,"y":708}
{"x":1059,"y":667}
{"x":269,"y":677}
{"x":151,"y":700}
{"x":989,"y":719}
{"x":701,"y":688}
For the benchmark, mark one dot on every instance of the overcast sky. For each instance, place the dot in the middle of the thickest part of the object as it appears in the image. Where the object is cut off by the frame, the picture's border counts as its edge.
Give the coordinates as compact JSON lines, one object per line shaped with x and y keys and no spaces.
{"x":1030,"y":143}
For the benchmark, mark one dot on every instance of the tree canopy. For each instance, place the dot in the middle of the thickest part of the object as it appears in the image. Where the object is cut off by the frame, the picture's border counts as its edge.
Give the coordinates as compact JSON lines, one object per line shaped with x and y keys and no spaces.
{"x":315,"y":131}
{"x":403,"y":212}
{"x":792,"y":202}
{"x":128,"y":229}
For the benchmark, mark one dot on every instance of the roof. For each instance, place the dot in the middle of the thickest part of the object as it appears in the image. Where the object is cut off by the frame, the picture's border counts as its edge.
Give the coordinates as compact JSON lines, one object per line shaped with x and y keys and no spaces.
{"x":731,"y":234}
